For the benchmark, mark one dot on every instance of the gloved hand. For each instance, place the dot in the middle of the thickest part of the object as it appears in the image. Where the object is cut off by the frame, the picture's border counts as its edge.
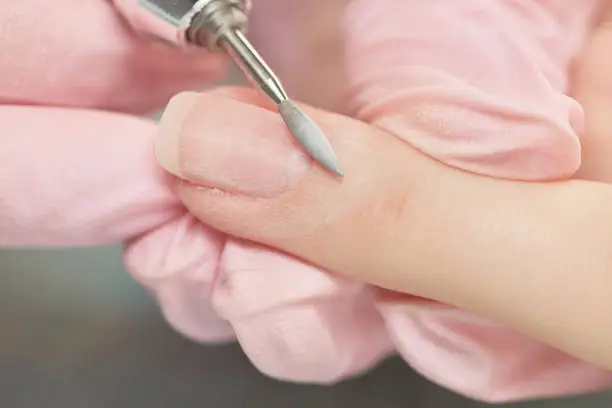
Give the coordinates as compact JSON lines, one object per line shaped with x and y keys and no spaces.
{"x":478,"y":87}
{"x":73,"y":174}
{"x":92,"y":179}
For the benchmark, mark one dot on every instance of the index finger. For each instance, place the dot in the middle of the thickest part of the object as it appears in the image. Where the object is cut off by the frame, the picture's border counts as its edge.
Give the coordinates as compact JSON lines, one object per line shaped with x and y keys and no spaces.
{"x":84,"y":53}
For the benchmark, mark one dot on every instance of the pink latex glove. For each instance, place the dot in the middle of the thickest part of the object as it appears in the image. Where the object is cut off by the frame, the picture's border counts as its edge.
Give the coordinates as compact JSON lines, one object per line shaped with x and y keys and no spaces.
{"x":71,"y":173}
{"x":478,"y":85}
{"x":75,"y":175}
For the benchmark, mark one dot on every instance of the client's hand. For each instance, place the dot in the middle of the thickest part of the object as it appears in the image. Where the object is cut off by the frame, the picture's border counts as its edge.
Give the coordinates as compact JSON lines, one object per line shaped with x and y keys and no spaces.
{"x":481,"y":96}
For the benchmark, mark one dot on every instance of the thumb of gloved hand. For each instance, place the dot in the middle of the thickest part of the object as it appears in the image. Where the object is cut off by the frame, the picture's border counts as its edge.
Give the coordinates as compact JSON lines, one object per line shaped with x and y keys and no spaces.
{"x":398,"y":219}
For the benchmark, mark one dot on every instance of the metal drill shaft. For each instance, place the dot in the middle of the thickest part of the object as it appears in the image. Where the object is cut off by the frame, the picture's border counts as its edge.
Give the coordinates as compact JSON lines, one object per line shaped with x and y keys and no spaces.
{"x":252,"y":64}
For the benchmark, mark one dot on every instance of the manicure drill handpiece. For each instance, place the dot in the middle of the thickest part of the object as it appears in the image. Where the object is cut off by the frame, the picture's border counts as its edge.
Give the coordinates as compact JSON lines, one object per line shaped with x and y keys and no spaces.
{"x":220,"y":24}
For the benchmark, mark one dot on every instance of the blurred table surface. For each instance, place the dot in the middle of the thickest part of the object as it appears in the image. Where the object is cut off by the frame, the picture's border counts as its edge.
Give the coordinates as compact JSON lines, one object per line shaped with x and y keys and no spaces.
{"x":77,"y":331}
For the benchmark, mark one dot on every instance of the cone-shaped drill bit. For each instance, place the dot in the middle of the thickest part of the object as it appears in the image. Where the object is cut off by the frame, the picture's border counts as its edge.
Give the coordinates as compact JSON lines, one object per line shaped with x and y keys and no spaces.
{"x":309,"y":135}
{"x":220,"y":24}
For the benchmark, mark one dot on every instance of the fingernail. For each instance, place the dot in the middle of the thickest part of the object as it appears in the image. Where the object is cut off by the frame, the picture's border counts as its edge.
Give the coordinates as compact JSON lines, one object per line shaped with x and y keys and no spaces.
{"x":166,"y":145}
{"x":222,"y":143}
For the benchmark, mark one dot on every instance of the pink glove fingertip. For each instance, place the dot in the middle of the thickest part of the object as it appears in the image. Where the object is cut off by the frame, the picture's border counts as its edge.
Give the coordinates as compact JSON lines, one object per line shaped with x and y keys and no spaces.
{"x":295,"y":322}
{"x":481,"y":359}
{"x":178,"y":264}
{"x":77,"y":177}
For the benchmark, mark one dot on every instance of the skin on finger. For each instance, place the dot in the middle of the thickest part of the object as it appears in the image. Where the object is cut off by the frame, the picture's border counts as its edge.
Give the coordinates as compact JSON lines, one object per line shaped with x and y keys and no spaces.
{"x":520,"y":238}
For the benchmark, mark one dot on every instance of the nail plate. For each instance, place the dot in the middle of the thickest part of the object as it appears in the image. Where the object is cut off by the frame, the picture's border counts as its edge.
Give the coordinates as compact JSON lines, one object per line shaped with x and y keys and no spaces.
{"x":229,"y":145}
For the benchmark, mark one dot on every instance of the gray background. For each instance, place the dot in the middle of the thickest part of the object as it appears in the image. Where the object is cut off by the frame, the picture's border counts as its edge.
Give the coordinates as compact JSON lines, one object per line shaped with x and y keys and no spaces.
{"x":76,"y":331}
